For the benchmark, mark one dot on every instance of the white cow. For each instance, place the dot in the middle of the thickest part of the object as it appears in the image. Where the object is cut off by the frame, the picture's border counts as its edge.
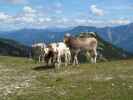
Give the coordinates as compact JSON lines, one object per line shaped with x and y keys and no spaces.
{"x":39,"y":50}
{"x":63,"y":50}
{"x":60,"y":50}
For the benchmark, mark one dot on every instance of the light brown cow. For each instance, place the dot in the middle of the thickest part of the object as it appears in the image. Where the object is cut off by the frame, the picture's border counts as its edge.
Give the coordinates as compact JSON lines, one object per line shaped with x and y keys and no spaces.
{"x":88,"y":44}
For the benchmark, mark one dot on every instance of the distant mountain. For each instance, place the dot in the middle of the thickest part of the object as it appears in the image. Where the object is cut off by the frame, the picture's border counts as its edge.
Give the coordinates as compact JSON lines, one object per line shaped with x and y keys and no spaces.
{"x":121,"y":36}
{"x":29,"y":36}
{"x":58,"y":29}
{"x":13,"y":48}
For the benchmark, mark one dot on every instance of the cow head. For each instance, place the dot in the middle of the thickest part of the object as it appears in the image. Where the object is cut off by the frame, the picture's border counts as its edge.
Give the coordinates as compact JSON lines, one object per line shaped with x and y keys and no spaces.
{"x":66,"y":38}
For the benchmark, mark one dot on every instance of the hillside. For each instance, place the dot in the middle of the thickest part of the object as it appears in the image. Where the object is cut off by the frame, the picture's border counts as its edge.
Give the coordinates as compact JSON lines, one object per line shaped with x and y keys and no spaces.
{"x":106,"y":50}
{"x":13,"y":48}
{"x":29,"y":36}
{"x":22,"y":79}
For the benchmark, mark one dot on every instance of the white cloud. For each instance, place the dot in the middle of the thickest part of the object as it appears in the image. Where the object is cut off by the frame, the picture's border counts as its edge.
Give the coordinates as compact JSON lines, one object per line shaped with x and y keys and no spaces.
{"x":58,"y":11}
{"x":58,"y":5}
{"x":96,"y":11}
{"x":57,"y":8}
{"x":120,"y":21}
{"x":33,"y":18}
{"x":41,"y":20}
{"x":3,"y":16}
{"x":15,"y":1}
{"x":65,"y":20}
{"x":28,"y":15}
{"x":80,"y":21}
{"x":28,"y":9}
{"x":48,"y":19}
{"x":27,"y":19}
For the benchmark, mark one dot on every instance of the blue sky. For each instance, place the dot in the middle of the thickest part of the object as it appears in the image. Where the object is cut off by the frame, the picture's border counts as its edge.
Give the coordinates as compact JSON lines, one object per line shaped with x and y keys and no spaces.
{"x":17,"y":14}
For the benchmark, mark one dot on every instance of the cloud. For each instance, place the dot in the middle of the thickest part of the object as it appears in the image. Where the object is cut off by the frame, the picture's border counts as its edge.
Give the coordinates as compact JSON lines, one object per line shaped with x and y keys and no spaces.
{"x":58,"y":5}
{"x":58,"y":11}
{"x":120,"y":21}
{"x":57,"y":8}
{"x":96,"y":11}
{"x":80,"y":21}
{"x":27,"y":15}
{"x":48,"y":19}
{"x":28,"y":9}
{"x":15,"y":1}
{"x":3,"y":16}
{"x":30,"y":17}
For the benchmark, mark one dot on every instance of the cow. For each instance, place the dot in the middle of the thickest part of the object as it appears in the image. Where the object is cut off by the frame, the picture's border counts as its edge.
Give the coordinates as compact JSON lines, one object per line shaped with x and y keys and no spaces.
{"x":63,"y":50}
{"x":77,"y":44}
{"x":38,"y":51}
{"x":57,"y":51}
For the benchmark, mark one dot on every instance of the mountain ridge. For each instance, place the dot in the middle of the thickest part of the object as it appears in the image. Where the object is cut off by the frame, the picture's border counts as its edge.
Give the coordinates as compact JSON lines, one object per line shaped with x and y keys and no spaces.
{"x":121,"y":36}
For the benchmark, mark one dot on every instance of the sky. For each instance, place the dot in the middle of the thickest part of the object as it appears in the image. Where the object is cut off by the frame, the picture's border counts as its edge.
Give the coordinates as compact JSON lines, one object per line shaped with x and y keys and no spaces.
{"x":19,"y":14}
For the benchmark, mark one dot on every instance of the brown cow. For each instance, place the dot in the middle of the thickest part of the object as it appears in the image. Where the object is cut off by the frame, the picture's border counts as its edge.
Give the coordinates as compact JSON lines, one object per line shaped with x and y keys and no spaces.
{"x":88,"y":44}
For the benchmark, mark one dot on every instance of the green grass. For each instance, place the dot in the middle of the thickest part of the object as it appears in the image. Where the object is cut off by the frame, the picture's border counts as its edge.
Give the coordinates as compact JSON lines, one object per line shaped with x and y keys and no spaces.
{"x":22,"y":79}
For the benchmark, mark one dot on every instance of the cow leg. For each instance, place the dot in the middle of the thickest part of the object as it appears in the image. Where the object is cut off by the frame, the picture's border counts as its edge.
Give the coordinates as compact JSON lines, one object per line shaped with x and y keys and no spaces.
{"x":66,"y":59}
{"x":58,"y":60}
{"x":95,"y":59}
{"x":93,"y":56}
{"x":39,"y":58}
{"x":50,"y":61}
{"x":74,"y":59}
{"x":69,"y":58}
{"x":43,"y":57}
{"x":75,"y":62}
{"x":53,"y":59}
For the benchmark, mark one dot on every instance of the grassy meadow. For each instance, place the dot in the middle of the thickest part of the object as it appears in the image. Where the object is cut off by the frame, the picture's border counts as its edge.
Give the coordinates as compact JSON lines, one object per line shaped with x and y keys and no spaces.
{"x":22,"y":79}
